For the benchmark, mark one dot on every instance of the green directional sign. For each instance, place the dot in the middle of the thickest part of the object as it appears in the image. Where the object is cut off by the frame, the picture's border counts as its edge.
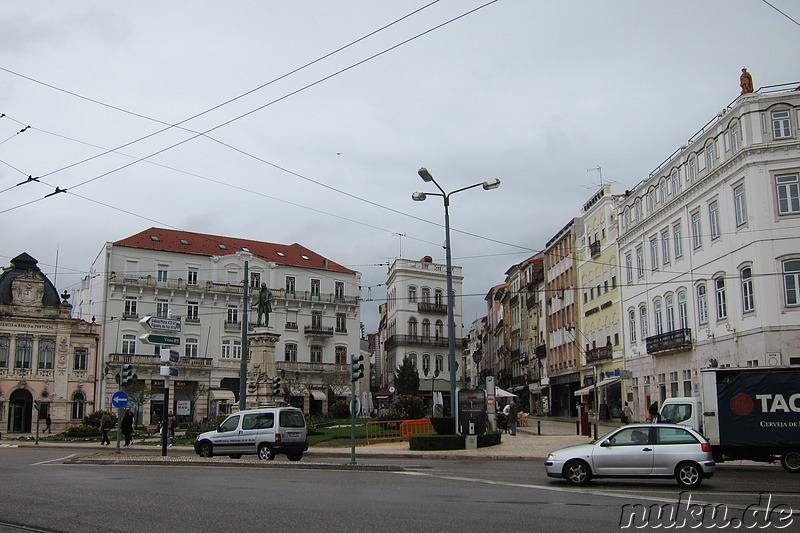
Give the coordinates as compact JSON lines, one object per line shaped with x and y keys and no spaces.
{"x":154,"y":338}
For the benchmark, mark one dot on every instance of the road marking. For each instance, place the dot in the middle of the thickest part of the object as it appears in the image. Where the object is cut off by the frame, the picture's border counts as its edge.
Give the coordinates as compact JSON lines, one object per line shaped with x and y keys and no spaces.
{"x":70,"y":456}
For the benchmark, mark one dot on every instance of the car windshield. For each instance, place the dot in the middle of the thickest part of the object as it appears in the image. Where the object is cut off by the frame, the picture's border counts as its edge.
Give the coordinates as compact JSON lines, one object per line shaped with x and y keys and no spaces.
{"x":676,"y":413}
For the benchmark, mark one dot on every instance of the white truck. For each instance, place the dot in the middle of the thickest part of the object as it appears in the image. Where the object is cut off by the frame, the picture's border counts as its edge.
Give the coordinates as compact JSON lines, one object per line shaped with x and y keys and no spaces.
{"x":745,"y":413}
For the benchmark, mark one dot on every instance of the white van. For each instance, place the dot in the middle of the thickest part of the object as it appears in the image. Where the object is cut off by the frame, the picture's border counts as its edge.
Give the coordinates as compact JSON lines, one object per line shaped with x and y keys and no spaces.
{"x":264,"y":431}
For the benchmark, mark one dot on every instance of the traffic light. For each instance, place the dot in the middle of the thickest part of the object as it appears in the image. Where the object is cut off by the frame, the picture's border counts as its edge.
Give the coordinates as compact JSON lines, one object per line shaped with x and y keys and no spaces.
{"x":356,"y":367}
{"x":126,"y":374}
{"x":276,"y":386}
{"x":37,"y":404}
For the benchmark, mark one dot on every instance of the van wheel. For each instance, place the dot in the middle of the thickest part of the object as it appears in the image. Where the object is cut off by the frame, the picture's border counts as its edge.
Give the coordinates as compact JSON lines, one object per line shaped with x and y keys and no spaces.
{"x":577,"y":472}
{"x":689,"y":475}
{"x":790,"y":461}
{"x":296,"y":456}
{"x":235,"y":456}
{"x":206,"y":450}
{"x":265,"y":452}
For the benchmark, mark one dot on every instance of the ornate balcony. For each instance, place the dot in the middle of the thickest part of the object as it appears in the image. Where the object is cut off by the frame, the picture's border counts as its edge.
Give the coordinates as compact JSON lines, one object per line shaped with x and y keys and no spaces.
{"x":600,"y":354}
{"x":678,"y":340}
{"x":319,"y":331}
{"x":421,"y":340}
{"x":428,"y":307}
{"x":594,"y":248}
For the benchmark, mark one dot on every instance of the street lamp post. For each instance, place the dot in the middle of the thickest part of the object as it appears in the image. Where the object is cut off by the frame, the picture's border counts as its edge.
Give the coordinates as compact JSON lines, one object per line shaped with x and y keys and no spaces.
{"x":451,"y":339}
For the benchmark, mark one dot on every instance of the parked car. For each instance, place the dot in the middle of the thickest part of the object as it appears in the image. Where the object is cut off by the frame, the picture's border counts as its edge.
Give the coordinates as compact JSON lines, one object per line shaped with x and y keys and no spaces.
{"x":263,"y":432}
{"x":637,"y":451}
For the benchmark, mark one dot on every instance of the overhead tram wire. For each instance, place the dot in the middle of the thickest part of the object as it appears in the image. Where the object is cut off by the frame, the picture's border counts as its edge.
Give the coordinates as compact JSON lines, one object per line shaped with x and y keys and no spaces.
{"x":197,"y":115}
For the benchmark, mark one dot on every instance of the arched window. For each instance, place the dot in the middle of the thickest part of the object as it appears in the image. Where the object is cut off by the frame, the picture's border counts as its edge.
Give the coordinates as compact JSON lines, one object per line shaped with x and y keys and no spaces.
{"x":439,"y":363}
{"x":721,"y":298}
{"x":659,"y":325}
{"x":702,"y":303}
{"x":413,"y":358}
{"x":682,"y":316}
{"x":437,"y":297}
{"x":669,"y":304}
{"x":426,"y":295}
{"x":412,"y":326}
{"x":439,"y":329}
{"x":643,"y":320}
{"x":632,"y":324}
{"x":412,"y":294}
{"x":791,"y":282}
{"x":426,"y":328}
{"x":426,"y":363}
{"x":78,"y":406}
{"x":748,"y":299}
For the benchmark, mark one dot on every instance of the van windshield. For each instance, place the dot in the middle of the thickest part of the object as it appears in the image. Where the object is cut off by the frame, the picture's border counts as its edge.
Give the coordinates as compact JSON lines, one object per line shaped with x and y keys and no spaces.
{"x":292,"y":419}
{"x":676,"y":413}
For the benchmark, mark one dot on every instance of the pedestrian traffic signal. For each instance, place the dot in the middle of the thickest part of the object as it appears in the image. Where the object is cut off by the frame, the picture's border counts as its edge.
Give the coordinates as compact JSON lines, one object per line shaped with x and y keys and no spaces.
{"x":37,"y":404}
{"x":126,"y":374}
{"x":276,"y":386}
{"x":356,"y":367}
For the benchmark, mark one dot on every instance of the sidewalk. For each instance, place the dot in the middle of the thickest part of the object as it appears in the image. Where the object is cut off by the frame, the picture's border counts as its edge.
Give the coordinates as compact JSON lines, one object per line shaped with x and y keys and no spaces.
{"x":526,"y":445}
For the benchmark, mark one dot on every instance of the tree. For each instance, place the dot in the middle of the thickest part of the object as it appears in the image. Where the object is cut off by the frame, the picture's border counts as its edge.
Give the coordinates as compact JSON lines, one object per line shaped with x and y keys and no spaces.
{"x":406,"y":378}
{"x":194,"y":391}
{"x":138,"y":393}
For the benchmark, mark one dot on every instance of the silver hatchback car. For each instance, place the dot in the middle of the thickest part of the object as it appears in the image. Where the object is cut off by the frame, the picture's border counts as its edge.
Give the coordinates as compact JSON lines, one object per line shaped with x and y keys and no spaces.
{"x":637,"y":451}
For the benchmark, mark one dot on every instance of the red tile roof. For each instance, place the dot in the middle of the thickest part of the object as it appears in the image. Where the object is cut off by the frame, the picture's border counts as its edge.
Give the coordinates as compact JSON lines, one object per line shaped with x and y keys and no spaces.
{"x":186,"y":242}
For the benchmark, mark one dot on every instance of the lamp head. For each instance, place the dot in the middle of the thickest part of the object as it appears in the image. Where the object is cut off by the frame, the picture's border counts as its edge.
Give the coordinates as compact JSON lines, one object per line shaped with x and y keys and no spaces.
{"x":424,"y":174}
{"x":418,"y":196}
{"x":491,"y":184}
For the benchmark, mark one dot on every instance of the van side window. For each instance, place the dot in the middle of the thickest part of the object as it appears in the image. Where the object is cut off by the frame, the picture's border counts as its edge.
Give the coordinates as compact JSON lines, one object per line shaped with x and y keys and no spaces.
{"x":230,"y":424}
{"x":292,"y":419}
{"x":266,"y":420}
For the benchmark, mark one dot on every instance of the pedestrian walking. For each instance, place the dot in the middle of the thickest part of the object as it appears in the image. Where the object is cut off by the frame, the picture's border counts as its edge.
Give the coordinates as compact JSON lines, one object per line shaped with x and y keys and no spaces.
{"x":512,"y":417}
{"x":105,"y":426}
{"x":126,"y":426}
{"x":47,"y":421}
{"x":653,"y":413}
{"x":627,"y":414}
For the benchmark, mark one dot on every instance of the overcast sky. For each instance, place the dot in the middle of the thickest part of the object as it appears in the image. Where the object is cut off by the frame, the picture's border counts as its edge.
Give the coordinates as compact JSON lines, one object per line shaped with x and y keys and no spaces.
{"x":531,"y":92}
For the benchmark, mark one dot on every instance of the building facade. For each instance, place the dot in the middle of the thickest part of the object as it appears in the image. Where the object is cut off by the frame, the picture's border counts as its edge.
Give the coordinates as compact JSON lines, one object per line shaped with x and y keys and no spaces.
{"x":416,"y":323}
{"x":710,"y":250}
{"x":47,"y":359}
{"x":198,"y":279}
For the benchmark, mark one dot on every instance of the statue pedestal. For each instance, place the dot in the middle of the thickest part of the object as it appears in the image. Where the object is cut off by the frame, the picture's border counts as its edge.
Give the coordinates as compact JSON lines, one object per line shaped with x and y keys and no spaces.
{"x":261,"y":366}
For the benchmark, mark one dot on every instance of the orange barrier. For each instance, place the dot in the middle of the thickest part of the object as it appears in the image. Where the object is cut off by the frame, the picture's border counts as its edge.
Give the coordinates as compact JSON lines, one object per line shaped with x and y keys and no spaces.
{"x":412,"y":427}
{"x":396,"y":429}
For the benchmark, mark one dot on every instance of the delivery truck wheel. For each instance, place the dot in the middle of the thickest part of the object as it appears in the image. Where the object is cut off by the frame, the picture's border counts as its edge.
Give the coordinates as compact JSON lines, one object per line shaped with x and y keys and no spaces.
{"x":790,"y":461}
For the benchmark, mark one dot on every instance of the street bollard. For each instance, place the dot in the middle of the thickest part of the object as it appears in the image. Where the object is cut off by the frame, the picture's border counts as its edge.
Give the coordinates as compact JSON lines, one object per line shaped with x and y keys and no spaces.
{"x":538,"y":427}
{"x":577,"y":427}
{"x":595,"y":432}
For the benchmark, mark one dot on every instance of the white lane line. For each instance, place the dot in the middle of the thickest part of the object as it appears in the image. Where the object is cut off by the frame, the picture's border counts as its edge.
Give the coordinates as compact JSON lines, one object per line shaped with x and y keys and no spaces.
{"x":70,"y":456}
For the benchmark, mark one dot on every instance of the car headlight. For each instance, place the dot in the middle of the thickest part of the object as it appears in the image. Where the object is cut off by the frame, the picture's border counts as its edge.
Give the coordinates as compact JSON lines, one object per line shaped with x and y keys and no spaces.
{"x":551,"y":457}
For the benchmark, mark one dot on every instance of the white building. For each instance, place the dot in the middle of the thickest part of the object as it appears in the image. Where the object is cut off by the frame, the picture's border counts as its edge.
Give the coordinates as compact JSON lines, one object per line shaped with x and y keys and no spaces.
{"x":710,"y":251}
{"x":198,"y":279}
{"x":416,"y":322}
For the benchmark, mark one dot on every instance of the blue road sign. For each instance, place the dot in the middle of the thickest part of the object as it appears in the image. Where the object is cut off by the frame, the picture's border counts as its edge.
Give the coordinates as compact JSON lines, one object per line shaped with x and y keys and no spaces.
{"x":119,"y":399}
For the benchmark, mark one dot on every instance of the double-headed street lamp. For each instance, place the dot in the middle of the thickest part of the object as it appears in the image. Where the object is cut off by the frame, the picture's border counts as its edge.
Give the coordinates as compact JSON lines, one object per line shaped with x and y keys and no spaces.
{"x":451,"y":334}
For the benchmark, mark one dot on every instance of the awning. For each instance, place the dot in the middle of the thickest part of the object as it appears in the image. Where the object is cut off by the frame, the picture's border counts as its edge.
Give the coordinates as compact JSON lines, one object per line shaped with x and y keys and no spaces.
{"x":502,"y":393}
{"x":537,"y":390}
{"x":605,"y":383}
{"x":223,"y":394}
{"x":318,"y":395}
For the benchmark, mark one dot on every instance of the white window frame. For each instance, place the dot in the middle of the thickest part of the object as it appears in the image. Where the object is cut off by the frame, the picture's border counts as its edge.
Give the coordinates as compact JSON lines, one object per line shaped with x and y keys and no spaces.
{"x":191,"y":276}
{"x":639,"y":262}
{"x":781,"y":124}
{"x":788,"y":191}
{"x":735,"y":137}
{"x":697,"y":230}
{"x":791,"y":282}
{"x":629,"y":267}
{"x":632,"y":324}
{"x":710,"y":156}
{"x":643,"y":320}
{"x":665,"y":246}
{"x":702,"y":303}
{"x":192,"y":348}
{"x":162,"y":307}
{"x":713,"y":219}
{"x":654,"y":254}
{"x":669,"y":307}
{"x":721,"y":298}
{"x":692,"y":169}
{"x":290,"y":352}
{"x":748,"y":298}
{"x":128,"y":344}
{"x":657,"y":317}
{"x":683,"y":317}
{"x":740,"y":205}
{"x":678,"y":239}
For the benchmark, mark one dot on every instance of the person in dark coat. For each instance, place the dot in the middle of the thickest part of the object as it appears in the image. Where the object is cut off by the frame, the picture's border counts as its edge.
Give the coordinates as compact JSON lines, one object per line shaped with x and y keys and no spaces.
{"x":126,"y":426}
{"x":512,"y":418}
{"x":653,"y":411}
{"x":105,"y":426}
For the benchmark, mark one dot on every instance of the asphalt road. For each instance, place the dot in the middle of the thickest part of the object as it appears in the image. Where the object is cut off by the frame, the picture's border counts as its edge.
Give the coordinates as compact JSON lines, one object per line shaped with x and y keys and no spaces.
{"x":41,"y":492}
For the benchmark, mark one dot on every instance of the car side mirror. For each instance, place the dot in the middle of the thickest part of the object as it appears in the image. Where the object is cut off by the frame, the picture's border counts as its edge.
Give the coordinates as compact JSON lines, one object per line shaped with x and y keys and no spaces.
{"x":605,"y":444}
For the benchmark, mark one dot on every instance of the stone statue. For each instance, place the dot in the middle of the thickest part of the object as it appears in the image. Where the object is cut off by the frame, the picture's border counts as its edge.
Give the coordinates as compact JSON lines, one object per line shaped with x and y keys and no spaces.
{"x":264,"y":304}
{"x":746,"y":82}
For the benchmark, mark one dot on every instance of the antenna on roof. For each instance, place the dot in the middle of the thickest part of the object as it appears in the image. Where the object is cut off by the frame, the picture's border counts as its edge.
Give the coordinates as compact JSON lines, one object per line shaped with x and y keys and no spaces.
{"x":595,"y":185}
{"x":401,"y":235}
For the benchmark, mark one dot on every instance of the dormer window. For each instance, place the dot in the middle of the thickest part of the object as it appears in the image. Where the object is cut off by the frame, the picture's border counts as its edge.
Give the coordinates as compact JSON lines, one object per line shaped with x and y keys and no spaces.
{"x":154,"y":238}
{"x":222,"y":246}
{"x":280,"y":254}
{"x":184,"y":242}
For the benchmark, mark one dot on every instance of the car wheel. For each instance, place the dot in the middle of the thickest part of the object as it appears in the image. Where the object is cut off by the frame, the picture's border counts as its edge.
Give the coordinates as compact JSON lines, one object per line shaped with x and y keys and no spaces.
{"x":206,"y":450}
{"x":577,"y":473}
{"x":688,"y":475}
{"x":235,"y":456}
{"x":296,"y":456}
{"x":265,"y":453}
{"x":790,"y":461}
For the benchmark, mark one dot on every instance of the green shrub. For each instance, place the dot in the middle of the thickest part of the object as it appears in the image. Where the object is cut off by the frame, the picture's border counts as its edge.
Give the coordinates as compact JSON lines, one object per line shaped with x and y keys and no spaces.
{"x":93,"y":419}
{"x":340,"y":409}
{"x":444,"y":425}
{"x":83,"y":431}
{"x":193,"y":429}
{"x":406,"y":407}
{"x":435,"y":441}
{"x":490,"y":438}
